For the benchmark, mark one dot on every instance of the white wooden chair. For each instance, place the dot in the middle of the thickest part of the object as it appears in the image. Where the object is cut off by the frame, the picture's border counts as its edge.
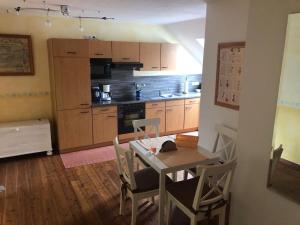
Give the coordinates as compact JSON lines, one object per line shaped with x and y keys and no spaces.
{"x":224,"y":146}
{"x":142,"y":130}
{"x":204,"y":196}
{"x":145,"y":127}
{"x":136,"y":185}
{"x":276,"y":155}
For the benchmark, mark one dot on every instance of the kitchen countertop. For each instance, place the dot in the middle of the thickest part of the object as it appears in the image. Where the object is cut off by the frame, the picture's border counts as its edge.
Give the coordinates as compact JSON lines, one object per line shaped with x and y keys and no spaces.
{"x":175,"y":96}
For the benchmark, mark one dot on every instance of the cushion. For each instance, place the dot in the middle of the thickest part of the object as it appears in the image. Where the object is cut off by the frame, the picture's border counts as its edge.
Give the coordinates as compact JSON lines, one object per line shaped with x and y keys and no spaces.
{"x":184,"y":191}
{"x":147,"y":179}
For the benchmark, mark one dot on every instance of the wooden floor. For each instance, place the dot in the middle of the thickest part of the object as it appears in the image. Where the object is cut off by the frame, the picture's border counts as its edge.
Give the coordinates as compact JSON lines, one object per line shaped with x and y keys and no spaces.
{"x":40,"y":191}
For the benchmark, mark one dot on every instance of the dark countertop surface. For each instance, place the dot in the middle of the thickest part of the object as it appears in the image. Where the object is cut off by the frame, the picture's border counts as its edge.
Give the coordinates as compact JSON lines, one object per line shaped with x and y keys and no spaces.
{"x":175,"y":96}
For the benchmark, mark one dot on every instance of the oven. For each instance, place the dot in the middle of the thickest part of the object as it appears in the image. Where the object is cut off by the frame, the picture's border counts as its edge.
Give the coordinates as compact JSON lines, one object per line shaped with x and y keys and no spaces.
{"x":127,"y":113}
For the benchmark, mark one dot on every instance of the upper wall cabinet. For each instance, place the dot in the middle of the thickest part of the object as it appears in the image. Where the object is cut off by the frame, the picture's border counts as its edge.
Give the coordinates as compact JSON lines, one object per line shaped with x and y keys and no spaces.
{"x":70,"y":47}
{"x":125,"y":51}
{"x":100,"y":49}
{"x":168,"y":56}
{"x":150,"y":56}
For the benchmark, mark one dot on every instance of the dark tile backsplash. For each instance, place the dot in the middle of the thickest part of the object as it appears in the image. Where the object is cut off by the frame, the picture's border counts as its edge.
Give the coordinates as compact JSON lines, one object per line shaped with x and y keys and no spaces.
{"x":123,"y":83}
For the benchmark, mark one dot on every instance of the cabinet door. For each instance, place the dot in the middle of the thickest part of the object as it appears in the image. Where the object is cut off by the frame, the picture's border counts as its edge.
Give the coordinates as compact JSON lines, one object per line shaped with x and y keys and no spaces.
{"x":72,"y":83}
{"x":191,"y":116}
{"x":157,"y":113}
{"x":174,"y":118}
{"x":169,"y":56}
{"x":150,"y":56}
{"x":74,"y":128}
{"x":70,"y":47}
{"x":100,"y":49}
{"x":104,"y":127}
{"x":125,"y":51}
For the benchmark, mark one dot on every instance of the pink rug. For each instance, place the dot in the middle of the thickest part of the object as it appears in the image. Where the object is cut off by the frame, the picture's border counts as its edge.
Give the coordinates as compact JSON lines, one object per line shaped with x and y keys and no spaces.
{"x":90,"y":156}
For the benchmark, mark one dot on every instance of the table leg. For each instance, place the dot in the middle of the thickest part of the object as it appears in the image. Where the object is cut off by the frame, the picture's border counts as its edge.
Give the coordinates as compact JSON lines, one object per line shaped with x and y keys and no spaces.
{"x":162,"y":196}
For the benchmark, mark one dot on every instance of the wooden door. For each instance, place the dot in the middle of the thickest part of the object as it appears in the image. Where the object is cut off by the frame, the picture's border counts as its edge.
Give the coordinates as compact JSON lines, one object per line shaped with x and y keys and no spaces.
{"x":157,"y":113}
{"x":70,"y":47}
{"x":125,"y":51}
{"x":169,"y":56}
{"x":105,"y":125}
{"x":191,"y":116}
{"x":150,"y":56}
{"x":100,"y":49}
{"x":74,"y":128}
{"x":72,"y":83}
{"x":174,"y":118}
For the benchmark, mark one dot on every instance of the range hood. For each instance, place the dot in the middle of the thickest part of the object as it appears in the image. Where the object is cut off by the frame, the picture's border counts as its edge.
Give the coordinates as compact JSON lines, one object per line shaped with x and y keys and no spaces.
{"x":127,"y":65}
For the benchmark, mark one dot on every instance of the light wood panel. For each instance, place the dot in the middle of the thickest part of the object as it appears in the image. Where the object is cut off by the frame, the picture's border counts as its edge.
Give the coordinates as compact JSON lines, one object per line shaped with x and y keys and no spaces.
{"x":100,"y":49}
{"x":191,"y":116}
{"x":125,"y":51}
{"x":75,"y":128}
{"x":174,"y":102}
{"x":105,"y":109}
{"x":174,"y":118}
{"x":70,"y":47}
{"x":72,"y":83}
{"x":105,"y":127}
{"x":157,"y":113}
{"x":151,"y":105}
{"x":150,"y":56}
{"x":169,"y":56}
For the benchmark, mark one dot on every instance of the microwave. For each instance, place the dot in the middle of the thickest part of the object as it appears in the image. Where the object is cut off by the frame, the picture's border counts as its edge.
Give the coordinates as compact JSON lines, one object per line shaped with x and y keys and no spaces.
{"x":100,"y":68}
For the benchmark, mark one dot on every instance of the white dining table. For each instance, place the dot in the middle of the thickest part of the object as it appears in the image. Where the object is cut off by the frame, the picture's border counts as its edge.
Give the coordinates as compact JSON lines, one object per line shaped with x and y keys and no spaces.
{"x":170,"y":162}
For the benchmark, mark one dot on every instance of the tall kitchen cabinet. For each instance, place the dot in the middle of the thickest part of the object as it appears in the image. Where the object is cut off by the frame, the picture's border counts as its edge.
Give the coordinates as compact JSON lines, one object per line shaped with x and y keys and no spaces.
{"x":70,"y":90}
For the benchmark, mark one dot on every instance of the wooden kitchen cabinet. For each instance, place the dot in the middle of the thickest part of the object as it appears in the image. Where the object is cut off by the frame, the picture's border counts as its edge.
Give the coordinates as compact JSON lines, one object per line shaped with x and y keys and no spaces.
{"x":150,"y":56}
{"x":174,"y":116}
{"x":105,"y":124}
{"x":191,"y":116}
{"x":100,"y":49}
{"x":70,"y":47}
{"x":72,"y":83}
{"x":169,"y":56}
{"x":125,"y":51}
{"x":75,"y":128}
{"x":157,"y":110}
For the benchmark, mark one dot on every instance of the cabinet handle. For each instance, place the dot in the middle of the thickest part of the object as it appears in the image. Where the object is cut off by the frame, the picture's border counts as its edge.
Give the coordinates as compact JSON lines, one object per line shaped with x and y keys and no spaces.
{"x":154,"y":104}
{"x":154,"y":67}
{"x":104,"y":110}
{"x":85,"y":112}
{"x":84,"y":104}
{"x":164,"y":67}
{"x":73,"y":53}
{"x":99,"y":54}
{"x":111,"y":116}
{"x":125,"y":58}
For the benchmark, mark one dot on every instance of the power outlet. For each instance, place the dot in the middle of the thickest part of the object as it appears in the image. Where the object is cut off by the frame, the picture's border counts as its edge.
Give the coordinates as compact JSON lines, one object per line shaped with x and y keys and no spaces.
{"x":195,"y":83}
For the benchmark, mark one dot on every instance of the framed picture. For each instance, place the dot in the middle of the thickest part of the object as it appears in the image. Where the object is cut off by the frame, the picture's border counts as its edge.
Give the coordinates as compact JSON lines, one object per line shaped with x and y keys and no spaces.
{"x":16,"y":56}
{"x":230,"y":68}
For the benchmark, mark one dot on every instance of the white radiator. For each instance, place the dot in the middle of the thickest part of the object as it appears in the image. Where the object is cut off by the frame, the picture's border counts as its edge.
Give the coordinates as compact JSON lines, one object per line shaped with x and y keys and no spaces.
{"x":19,"y":138}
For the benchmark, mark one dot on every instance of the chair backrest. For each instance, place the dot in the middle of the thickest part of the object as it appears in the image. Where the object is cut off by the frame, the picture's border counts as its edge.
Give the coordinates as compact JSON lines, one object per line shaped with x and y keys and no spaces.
{"x":125,"y":163}
{"x":218,"y":178}
{"x":145,"y":127}
{"x":225,"y":142}
{"x":275,"y":159}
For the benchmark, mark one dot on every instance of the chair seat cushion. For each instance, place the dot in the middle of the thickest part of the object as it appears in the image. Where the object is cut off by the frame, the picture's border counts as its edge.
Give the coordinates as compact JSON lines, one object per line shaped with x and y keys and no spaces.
{"x":147,"y":179}
{"x":184,"y":191}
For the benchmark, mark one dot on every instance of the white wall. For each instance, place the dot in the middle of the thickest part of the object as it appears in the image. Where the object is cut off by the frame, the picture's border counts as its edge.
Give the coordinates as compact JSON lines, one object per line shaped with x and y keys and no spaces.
{"x":264,"y":32}
{"x":222,"y":25}
{"x":186,"y":33}
{"x":253,"y":203}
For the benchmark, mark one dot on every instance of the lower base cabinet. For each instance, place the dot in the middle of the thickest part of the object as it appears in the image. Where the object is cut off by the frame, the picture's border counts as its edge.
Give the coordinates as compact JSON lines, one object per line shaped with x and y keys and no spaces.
{"x":105,"y":124}
{"x":174,"y":118}
{"x":191,"y":116}
{"x":75,"y":128}
{"x":157,"y":110}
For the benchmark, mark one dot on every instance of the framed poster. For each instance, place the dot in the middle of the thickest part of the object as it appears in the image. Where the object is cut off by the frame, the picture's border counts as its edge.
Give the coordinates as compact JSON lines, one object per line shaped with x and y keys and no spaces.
{"x":230,"y":68}
{"x":16,"y":56}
